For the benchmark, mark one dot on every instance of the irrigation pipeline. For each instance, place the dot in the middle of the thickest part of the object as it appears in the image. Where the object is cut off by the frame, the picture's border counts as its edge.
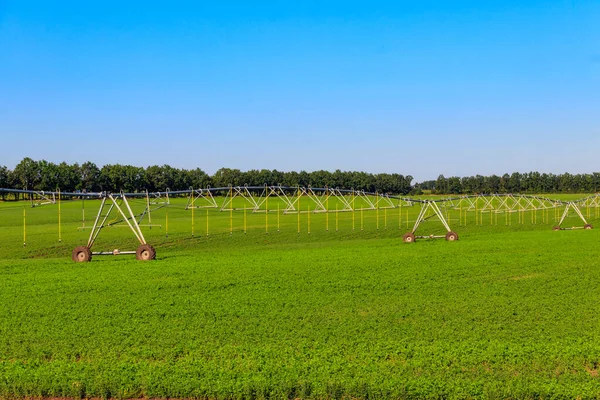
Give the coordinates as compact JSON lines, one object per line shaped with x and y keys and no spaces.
{"x":256,"y":195}
{"x":294,"y":199}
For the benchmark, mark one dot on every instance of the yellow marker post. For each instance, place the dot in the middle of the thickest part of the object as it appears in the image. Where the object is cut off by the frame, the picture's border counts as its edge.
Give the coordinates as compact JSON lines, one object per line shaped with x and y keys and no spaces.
{"x":193,"y":219}
{"x":327,"y":214}
{"x":59,"y":226}
{"x":299,"y":210}
{"x":308,"y":208}
{"x":278,"y":225}
{"x":406,"y":219}
{"x":336,"y":218}
{"x":24,"y":227}
{"x":207,"y":222}
{"x":377,"y":213}
{"x":167,"y":222}
{"x":353,"y":210}
{"x":267,"y":214}
{"x":231,"y":212}
{"x":245,"y":225}
{"x":148,"y":208}
{"x":588,"y":210}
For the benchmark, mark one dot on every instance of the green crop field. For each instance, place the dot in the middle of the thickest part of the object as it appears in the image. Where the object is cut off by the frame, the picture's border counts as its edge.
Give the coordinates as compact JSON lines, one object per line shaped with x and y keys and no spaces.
{"x":273,"y":305}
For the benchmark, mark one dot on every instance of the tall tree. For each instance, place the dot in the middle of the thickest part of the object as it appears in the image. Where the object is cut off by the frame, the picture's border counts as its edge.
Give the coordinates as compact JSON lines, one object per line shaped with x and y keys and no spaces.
{"x":27,"y":173}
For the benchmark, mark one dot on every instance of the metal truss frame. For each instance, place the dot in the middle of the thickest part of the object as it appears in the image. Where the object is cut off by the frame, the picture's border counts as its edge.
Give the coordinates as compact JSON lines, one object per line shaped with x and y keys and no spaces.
{"x":143,"y":252}
{"x":426,"y":207}
{"x":572,"y":205}
{"x":200,"y":195}
{"x":43,"y":198}
{"x":502,"y":203}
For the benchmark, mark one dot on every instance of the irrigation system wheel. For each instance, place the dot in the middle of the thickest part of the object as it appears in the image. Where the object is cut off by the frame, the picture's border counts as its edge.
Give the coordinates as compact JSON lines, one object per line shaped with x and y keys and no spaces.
{"x":145,"y":252}
{"x":81,"y":254}
{"x":556,"y":228}
{"x":451,"y":236}
{"x":588,"y":226}
{"x":408,"y":237}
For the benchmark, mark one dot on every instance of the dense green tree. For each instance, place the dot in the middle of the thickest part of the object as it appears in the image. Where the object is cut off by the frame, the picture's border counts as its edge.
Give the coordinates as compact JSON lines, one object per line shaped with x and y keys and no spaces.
{"x":4,"y":179}
{"x":88,"y":177}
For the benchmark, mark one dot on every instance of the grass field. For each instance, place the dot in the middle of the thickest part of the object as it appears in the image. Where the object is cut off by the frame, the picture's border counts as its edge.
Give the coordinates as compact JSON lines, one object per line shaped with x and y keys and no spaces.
{"x":508,"y":311}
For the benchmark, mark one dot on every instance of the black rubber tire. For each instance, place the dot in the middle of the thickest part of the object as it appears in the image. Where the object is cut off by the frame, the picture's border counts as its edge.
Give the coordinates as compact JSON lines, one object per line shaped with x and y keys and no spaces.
{"x":145,"y":252}
{"x":451,"y":236}
{"x":408,"y":237}
{"x":81,"y":254}
{"x":588,"y":226}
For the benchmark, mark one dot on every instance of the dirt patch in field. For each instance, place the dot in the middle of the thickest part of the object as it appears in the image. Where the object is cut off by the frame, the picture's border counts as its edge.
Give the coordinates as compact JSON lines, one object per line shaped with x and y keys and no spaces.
{"x":528,"y":276}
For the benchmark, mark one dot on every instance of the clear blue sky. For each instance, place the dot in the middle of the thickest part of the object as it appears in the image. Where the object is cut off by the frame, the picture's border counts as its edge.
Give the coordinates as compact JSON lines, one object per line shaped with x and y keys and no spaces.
{"x":414,"y":87}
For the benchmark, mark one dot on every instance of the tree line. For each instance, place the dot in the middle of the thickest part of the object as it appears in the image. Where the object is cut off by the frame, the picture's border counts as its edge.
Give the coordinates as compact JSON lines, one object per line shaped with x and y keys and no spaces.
{"x":40,"y":175}
{"x":531,"y":182}
{"x":43,"y":175}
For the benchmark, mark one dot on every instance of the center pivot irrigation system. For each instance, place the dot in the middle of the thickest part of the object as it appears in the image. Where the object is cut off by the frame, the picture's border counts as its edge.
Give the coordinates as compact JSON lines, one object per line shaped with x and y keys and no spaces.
{"x":319,"y":200}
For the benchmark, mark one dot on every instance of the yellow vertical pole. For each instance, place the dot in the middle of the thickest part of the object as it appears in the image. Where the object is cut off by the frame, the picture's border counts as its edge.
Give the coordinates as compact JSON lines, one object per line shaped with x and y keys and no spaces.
{"x":476,"y":217}
{"x":588,"y":210}
{"x":267,"y":214}
{"x":278,"y":225}
{"x":24,"y":227}
{"x":377,"y":212}
{"x":491,"y":216}
{"x":231,"y":211}
{"x":245,"y":224}
{"x":353,"y":210}
{"x":59,"y":226}
{"x":336,"y":218}
{"x":148,"y":208}
{"x":327,"y":214}
{"x":532,"y":216}
{"x":207,"y":222}
{"x":299,"y":210}
{"x":406,"y":219}
{"x":193,"y":207}
{"x":308,"y":212}
{"x":167,"y":222}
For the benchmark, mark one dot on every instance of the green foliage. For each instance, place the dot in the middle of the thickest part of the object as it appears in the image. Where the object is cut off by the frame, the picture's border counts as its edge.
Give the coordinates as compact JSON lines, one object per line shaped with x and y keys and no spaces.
{"x":506,"y":312}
